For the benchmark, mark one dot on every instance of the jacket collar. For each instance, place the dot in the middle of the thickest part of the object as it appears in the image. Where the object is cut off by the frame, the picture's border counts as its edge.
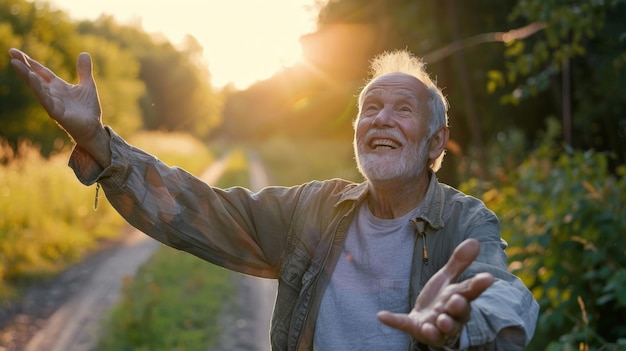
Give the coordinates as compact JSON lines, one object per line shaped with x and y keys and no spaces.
{"x":432,"y":205}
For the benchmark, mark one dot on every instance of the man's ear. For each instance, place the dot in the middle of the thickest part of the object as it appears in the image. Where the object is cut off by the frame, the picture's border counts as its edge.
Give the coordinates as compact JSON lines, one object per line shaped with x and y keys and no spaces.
{"x":438,"y":142}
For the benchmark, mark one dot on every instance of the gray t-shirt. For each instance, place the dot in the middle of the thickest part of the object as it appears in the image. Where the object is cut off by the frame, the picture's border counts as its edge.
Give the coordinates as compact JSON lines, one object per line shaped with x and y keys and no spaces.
{"x":372,"y":274}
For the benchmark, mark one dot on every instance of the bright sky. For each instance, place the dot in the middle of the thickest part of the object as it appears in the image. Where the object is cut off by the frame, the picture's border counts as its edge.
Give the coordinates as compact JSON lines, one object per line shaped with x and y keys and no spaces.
{"x":243,"y":40}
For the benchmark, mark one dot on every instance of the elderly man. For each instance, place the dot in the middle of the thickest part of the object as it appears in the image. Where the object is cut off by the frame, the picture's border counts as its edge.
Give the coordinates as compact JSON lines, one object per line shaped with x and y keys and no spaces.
{"x":399,"y":262}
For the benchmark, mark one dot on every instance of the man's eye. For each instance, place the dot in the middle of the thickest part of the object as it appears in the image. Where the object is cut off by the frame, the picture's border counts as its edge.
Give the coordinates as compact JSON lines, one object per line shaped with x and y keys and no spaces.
{"x":406,"y":109}
{"x":371,"y":107}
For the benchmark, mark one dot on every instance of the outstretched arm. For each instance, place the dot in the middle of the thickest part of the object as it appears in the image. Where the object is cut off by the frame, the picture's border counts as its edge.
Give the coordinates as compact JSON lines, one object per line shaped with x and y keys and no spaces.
{"x":443,"y":306}
{"x":76,"y":108}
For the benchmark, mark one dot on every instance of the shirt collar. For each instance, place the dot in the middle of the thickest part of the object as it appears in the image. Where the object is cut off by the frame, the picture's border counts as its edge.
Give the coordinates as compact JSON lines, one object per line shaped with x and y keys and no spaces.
{"x":431,"y":208}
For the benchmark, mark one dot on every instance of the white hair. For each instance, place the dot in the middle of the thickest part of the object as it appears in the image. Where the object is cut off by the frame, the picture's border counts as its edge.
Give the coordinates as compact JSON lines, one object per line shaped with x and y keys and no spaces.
{"x":403,"y":61}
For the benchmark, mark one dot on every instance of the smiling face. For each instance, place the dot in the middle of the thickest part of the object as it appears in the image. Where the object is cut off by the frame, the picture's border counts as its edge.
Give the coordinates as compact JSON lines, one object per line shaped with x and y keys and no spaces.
{"x":391,"y":141}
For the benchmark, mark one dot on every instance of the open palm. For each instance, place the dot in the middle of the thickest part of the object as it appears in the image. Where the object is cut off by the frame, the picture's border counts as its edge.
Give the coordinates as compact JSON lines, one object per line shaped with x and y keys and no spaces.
{"x":443,"y":306}
{"x":76,"y":108}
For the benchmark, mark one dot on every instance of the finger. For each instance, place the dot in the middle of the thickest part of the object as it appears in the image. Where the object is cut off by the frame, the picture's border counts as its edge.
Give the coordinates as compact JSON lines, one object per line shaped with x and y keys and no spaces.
{"x":19,"y":61}
{"x":21,"y":68}
{"x":471,"y":288}
{"x":448,"y":326}
{"x":395,"y":320}
{"x":17,"y":54}
{"x":425,"y":332}
{"x":461,"y":258}
{"x":30,"y":65}
{"x":458,"y":308}
{"x":84,"y":68}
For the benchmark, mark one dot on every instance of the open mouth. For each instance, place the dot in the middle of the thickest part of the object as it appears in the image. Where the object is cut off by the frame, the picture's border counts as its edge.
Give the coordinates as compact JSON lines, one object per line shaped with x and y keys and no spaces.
{"x":383,"y":144}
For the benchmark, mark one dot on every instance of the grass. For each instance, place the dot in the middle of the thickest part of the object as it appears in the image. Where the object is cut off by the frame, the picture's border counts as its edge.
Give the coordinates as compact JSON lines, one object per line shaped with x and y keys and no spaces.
{"x":47,"y":221}
{"x":291,"y":162}
{"x":175,"y":149}
{"x":173,"y":303}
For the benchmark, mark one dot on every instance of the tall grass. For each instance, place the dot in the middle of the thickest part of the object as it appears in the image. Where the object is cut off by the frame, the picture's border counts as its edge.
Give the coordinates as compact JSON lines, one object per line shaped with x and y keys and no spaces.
{"x":47,"y":219}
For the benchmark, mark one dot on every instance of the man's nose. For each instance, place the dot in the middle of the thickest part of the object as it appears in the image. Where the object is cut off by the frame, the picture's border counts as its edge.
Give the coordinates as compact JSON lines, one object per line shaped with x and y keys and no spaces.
{"x":384,"y":118}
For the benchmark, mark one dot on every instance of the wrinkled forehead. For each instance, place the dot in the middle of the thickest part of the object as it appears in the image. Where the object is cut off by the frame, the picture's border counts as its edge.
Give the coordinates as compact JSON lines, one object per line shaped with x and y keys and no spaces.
{"x":402,"y":83}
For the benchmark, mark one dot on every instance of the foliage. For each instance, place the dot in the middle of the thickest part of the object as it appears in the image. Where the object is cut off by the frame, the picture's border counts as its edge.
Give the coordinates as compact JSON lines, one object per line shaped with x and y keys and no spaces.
{"x":46,"y":218}
{"x":569,"y":27}
{"x":564,"y":217}
{"x":158,"y":86}
{"x":579,"y":59}
{"x":178,"y":95}
{"x":50,"y":37}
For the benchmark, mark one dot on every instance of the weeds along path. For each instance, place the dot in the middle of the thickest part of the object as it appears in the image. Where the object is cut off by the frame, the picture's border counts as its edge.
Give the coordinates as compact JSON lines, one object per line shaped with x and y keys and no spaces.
{"x":75,"y":325}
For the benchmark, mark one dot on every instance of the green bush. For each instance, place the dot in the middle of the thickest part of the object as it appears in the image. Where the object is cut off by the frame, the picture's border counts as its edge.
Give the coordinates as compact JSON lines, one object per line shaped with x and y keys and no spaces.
{"x":564,"y":216}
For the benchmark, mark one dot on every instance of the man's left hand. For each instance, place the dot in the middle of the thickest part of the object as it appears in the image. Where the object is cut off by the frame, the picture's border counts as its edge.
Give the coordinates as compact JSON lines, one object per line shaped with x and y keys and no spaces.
{"x":443,"y":306}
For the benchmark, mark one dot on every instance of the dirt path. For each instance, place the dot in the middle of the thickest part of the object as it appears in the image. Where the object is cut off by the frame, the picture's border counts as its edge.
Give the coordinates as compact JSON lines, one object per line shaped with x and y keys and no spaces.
{"x":75,"y":325}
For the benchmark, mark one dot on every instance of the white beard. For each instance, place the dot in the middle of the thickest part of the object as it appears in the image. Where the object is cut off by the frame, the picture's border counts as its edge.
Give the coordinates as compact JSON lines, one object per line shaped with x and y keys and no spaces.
{"x":411,"y":162}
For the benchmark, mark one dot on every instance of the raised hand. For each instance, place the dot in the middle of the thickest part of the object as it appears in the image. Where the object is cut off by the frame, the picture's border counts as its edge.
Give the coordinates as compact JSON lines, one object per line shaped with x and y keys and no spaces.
{"x":443,"y":306}
{"x":76,"y":108}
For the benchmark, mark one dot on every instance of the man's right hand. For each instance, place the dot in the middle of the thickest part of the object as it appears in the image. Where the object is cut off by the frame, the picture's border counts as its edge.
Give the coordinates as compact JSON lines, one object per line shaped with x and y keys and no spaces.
{"x":76,"y":108}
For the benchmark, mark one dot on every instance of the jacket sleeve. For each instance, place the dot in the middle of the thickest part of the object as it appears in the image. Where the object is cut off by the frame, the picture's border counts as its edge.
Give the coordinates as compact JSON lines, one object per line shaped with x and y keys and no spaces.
{"x":504,"y":316}
{"x":233,"y":228}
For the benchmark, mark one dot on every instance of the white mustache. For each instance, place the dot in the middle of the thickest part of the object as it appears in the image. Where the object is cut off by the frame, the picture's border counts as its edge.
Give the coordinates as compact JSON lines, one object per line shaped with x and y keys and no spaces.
{"x":384,"y":134}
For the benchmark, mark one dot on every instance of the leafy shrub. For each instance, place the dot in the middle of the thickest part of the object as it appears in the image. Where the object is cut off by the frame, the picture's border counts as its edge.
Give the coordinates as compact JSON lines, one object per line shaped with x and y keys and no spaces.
{"x":564,"y":216}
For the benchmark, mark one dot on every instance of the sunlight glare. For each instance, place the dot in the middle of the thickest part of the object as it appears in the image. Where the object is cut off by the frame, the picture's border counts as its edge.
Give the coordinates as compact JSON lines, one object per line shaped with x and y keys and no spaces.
{"x":244,"y":40}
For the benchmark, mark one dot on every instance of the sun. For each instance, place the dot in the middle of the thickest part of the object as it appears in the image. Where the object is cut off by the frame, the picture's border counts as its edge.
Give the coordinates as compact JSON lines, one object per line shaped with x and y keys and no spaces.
{"x":251,"y":40}
{"x":244,"y":40}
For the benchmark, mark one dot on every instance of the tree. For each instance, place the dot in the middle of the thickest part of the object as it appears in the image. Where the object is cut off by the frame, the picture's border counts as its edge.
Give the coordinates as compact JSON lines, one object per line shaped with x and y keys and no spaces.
{"x":579,"y":60}
{"x":178,"y":95}
{"x":51,"y":38}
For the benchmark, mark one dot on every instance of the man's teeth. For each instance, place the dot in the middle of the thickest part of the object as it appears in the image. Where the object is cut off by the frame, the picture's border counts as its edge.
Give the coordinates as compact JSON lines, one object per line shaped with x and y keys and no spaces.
{"x":384,"y":144}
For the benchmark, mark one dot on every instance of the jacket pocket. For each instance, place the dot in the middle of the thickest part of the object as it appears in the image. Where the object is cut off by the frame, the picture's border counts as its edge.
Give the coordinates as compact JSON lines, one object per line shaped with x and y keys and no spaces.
{"x":292,"y":277}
